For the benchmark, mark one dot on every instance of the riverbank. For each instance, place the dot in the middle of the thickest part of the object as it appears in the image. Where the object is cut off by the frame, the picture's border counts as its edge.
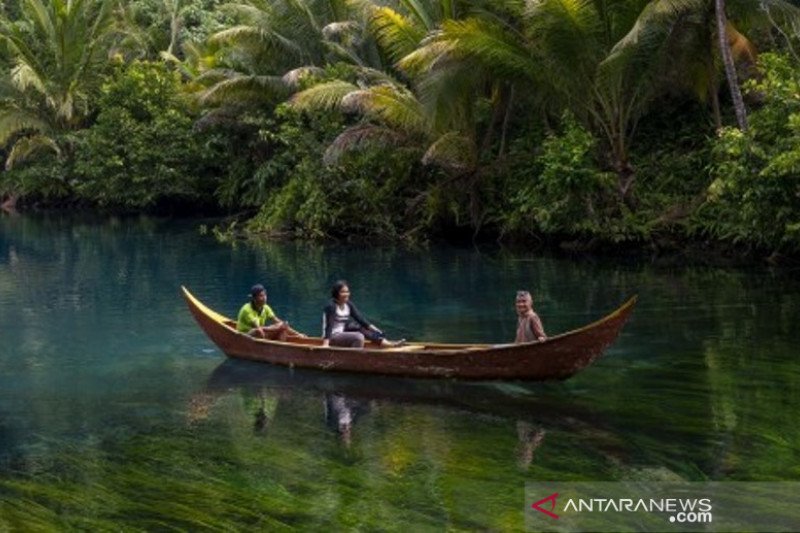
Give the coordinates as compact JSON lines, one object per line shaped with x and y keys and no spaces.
{"x":665,"y":250}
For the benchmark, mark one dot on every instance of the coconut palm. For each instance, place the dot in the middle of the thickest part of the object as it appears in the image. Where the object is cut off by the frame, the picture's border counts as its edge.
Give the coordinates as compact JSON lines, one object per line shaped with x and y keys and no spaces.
{"x":555,"y":49}
{"x":446,"y":123}
{"x":276,"y":37}
{"x":693,"y":39}
{"x":437,"y":116}
{"x":680,"y":48}
{"x":730,"y":68}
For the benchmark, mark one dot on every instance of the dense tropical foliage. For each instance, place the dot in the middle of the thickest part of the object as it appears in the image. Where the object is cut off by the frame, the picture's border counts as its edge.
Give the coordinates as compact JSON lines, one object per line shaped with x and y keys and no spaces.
{"x":642,"y":122}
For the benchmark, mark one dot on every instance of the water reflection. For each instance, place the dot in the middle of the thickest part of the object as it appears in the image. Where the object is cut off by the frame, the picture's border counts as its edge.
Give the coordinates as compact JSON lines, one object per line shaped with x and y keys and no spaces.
{"x":528,"y":409}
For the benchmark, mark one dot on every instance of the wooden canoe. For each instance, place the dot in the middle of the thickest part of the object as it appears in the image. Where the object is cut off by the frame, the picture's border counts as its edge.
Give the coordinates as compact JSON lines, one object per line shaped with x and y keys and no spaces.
{"x":558,"y":357}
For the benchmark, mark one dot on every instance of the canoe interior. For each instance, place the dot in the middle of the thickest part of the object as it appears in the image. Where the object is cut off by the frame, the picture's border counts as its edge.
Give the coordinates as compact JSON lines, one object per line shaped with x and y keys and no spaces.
{"x":408,"y":347}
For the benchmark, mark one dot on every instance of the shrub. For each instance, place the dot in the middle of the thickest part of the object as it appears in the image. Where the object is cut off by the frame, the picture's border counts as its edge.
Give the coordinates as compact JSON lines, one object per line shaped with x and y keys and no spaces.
{"x":362,"y":195}
{"x":563,"y":190}
{"x":755,"y":194}
{"x":142,"y":149}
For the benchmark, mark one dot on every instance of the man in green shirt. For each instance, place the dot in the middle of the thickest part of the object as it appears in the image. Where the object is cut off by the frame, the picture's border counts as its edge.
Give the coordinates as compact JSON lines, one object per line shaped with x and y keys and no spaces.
{"x":254,"y":314}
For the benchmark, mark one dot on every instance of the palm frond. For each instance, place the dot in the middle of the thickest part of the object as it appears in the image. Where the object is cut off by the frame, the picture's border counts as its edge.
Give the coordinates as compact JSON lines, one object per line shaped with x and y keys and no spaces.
{"x":336,"y":30}
{"x":216,"y":75}
{"x":58,"y":49}
{"x":494,"y":46}
{"x":372,"y":76}
{"x":255,"y":36}
{"x":358,"y":137}
{"x":654,"y":23}
{"x":452,"y":151}
{"x":239,"y":33}
{"x":343,"y":53}
{"x":25,"y":77}
{"x":300,"y":7}
{"x":294,"y":77}
{"x":26,"y":147}
{"x":42,"y":17}
{"x":245,"y":89}
{"x":14,"y":121}
{"x":392,"y":105}
{"x":252,"y":12}
{"x":451,"y":91}
{"x":328,"y":95}
{"x":420,"y":12}
{"x":433,"y":49}
{"x":570,"y":35}
{"x":396,"y":34}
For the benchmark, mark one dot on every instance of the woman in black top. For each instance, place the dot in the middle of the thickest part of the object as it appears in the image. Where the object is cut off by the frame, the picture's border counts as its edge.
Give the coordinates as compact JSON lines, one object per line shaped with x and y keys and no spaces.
{"x":343,"y":325}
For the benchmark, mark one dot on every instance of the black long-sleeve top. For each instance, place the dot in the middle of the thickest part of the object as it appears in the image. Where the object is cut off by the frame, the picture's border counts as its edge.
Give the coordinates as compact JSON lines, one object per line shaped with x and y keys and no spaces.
{"x":330,"y":318}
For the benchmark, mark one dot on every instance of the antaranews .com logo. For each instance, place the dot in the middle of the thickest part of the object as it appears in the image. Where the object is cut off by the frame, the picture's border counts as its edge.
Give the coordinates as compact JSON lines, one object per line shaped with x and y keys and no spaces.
{"x":681,"y":510}
{"x":690,"y":506}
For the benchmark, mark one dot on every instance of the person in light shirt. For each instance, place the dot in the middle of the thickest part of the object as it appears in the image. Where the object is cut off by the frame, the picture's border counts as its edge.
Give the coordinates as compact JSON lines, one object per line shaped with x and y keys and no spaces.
{"x":529,"y":325}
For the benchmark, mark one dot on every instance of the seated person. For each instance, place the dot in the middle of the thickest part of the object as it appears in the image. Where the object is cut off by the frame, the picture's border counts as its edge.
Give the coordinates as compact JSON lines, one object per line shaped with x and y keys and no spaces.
{"x":343,"y":325}
{"x":529,"y":326}
{"x":254,"y":314}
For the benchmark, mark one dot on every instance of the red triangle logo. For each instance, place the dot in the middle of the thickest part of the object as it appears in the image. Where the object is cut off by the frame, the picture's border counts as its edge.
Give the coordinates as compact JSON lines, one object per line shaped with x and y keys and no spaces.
{"x":552,"y":500}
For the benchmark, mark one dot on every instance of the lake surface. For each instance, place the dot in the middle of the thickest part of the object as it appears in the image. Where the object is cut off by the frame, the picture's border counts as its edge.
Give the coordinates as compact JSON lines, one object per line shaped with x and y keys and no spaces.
{"x":117,"y":413}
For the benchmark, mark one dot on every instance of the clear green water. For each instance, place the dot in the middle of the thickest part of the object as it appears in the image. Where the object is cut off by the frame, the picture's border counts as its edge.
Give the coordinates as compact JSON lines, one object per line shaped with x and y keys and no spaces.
{"x":116,"y":413}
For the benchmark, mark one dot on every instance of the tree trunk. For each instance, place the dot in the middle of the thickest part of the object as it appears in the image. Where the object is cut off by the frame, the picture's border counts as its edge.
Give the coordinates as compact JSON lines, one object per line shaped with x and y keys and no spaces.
{"x":174,"y":27}
{"x":730,"y":68}
{"x":622,"y":168}
{"x":506,"y":120}
{"x":713,"y":95}
{"x":488,"y":137}
{"x":625,"y":179}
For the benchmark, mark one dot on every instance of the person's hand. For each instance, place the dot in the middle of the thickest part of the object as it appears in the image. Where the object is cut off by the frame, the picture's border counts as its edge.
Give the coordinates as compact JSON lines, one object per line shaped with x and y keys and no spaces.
{"x":325,"y":343}
{"x":542,"y":339}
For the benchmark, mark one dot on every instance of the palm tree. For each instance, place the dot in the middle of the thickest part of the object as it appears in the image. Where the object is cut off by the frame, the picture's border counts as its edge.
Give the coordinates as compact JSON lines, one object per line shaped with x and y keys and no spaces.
{"x":730,"y":68}
{"x":557,"y":48}
{"x":436,"y":116}
{"x":274,"y":43}
{"x":692,"y":39}
{"x":58,"y":51}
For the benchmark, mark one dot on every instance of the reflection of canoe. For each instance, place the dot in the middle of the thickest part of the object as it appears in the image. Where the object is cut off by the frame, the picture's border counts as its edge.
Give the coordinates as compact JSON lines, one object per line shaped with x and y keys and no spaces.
{"x":558,"y":357}
{"x":540,"y":403}
{"x":543,"y":405}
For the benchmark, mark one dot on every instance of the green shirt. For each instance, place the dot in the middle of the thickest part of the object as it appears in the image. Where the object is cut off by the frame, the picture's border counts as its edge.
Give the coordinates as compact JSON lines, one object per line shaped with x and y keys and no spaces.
{"x":250,"y":319}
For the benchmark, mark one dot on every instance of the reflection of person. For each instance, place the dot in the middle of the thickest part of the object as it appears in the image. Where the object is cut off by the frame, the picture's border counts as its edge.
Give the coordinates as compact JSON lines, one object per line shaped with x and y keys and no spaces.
{"x":202,"y":403}
{"x":267,"y":403}
{"x":254,"y":314}
{"x":341,"y":413}
{"x":343,"y":325}
{"x":529,"y":326}
{"x":529,"y":438}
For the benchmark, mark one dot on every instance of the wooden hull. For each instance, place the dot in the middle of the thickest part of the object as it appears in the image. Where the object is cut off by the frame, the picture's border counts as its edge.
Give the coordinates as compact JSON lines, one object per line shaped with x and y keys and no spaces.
{"x":557,"y":358}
